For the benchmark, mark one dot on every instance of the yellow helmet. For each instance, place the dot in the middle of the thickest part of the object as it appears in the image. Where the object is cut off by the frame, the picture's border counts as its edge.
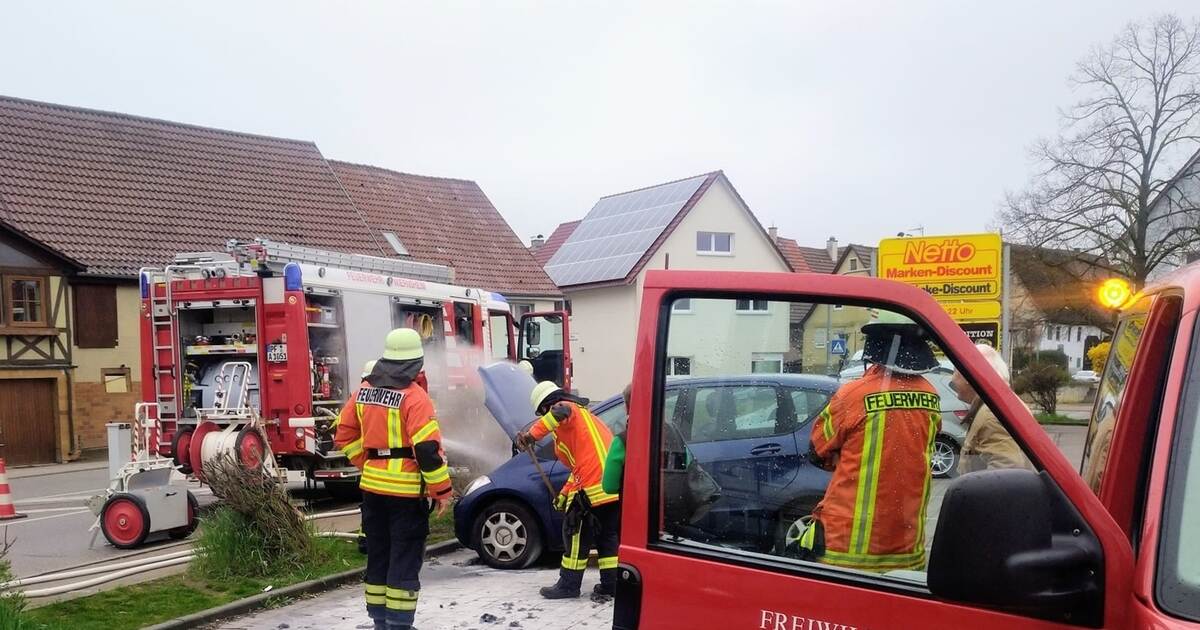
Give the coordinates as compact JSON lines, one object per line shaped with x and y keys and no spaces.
{"x":540,"y":392}
{"x":368,"y":367}
{"x":403,"y":344}
{"x":526,"y":367}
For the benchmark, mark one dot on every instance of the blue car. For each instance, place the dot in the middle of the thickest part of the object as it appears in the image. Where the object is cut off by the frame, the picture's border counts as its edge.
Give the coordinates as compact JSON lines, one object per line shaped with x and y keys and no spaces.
{"x":749,"y":432}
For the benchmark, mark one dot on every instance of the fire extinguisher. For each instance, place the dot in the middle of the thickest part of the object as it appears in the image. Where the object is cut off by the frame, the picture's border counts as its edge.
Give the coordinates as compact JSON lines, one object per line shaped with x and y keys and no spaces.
{"x":326,"y":388}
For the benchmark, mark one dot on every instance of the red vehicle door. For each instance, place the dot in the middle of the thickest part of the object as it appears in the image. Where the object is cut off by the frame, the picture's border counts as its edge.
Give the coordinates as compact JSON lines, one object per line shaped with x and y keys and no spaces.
{"x":545,"y":342}
{"x":1018,"y":540}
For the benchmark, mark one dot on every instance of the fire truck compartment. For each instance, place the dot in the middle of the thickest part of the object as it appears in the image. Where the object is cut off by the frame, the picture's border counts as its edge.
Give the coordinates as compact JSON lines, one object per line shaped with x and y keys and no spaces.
{"x":209,"y":337}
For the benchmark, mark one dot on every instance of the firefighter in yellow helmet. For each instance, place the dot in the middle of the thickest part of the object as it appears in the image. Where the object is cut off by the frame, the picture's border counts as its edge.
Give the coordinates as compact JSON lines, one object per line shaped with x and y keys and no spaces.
{"x":391,"y":432}
{"x":593,"y":516}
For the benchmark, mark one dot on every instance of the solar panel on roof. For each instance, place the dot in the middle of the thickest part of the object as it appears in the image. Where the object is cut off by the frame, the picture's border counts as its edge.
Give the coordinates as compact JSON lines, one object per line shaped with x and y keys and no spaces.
{"x":616,"y":233}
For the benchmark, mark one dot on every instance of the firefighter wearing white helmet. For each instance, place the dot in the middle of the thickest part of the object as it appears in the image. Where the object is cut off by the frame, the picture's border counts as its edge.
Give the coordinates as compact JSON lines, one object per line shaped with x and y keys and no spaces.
{"x":593,"y":516}
{"x":390,"y":431}
{"x":876,"y":435}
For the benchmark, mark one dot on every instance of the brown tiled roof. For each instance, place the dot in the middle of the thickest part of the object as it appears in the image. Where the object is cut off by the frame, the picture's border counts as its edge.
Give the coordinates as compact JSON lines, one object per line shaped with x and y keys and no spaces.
{"x":561,"y":234}
{"x":117,"y":192}
{"x":1061,"y":284}
{"x":865,"y":254}
{"x":791,"y":251}
{"x":446,"y":221}
{"x":818,"y":259}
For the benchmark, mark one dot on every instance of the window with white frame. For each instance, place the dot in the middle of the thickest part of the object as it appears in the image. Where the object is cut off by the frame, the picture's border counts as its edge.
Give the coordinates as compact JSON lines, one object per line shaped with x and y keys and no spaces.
{"x":766,"y":363}
{"x":752,"y":306}
{"x":820,"y":337}
{"x":679,"y":366}
{"x":853,"y":264}
{"x":715,"y":243}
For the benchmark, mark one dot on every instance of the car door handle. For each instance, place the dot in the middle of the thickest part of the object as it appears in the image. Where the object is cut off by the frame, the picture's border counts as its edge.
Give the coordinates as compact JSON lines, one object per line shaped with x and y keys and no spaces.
{"x":766,"y":449}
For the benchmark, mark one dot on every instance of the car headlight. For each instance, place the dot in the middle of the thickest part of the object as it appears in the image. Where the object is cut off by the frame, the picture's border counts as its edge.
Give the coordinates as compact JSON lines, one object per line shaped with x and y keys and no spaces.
{"x":477,"y":483}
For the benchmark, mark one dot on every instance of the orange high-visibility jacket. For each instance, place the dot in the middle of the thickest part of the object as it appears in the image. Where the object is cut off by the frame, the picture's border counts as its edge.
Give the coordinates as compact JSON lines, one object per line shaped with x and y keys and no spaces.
{"x":581,"y":443}
{"x":881,"y":428}
{"x":383,"y":419}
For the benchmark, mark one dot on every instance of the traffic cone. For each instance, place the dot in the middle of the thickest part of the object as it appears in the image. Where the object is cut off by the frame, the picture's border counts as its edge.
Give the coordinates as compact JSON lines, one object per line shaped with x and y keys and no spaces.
{"x":8,"y":511}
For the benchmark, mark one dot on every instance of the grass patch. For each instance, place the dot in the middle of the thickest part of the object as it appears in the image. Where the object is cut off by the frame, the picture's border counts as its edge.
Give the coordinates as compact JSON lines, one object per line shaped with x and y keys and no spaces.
{"x":139,"y":605}
{"x":1058,"y":419}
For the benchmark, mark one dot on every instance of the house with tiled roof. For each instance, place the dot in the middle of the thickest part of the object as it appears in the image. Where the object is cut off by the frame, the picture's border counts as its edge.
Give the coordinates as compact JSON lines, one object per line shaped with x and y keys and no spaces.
{"x":1053,"y":304}
{"x":449,"y":222}
{"x":543,"y":249}
{"x":115,"y":192}
{"x":818,"y":324}
{"x":697,"y":223}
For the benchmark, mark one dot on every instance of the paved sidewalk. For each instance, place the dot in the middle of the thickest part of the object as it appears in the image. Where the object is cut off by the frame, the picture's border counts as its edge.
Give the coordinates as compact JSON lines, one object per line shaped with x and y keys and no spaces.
{"x":456,"y":593}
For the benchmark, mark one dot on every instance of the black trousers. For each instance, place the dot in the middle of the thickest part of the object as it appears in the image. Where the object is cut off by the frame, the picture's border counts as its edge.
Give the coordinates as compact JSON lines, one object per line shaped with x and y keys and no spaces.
{"x":583,"y":529}
{"x":396,"y":529}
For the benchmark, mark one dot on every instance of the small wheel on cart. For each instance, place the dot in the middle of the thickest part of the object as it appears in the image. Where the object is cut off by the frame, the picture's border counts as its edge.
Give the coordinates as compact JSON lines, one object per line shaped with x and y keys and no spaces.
{"x":180,"y":450}
{"x":125,"y":521}
{"x":251,"y":450}
{"x":193,"y":509}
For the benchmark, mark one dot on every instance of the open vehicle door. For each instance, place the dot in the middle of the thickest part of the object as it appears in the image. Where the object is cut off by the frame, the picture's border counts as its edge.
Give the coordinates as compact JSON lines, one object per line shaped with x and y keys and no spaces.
{"x":544,"y":342}
{"x":1021,"y":542}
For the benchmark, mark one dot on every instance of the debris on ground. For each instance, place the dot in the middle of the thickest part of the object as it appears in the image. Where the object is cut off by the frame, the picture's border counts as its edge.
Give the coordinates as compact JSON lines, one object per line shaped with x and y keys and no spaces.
{"x":488,"y":618}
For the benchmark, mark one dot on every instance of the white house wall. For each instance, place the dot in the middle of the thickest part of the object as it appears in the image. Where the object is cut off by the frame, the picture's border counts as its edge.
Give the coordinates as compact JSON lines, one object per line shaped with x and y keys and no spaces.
{"x":603,"y":323}
{"x":720,"y":341}
{"x":1068,"y":342}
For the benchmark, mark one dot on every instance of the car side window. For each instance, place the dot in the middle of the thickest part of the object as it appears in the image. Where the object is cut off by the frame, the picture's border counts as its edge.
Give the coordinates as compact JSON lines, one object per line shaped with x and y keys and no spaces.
{"x":867,"y":424}
{"x":616,"y":417}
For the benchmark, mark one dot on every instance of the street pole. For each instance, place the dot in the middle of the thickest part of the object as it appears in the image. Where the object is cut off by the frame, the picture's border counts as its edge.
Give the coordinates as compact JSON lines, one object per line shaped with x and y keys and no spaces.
{"x":1005,"y":306}
{"x":828,"y":340}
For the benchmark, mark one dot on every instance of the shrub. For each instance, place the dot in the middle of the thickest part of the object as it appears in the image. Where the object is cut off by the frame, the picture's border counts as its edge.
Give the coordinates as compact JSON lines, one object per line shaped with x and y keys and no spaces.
{"x":1098,"y":355}
{"x":1023,"y":357}
{"x":256,"y":532}
{"x":1041,"y":381}
{"x":12,"y":603}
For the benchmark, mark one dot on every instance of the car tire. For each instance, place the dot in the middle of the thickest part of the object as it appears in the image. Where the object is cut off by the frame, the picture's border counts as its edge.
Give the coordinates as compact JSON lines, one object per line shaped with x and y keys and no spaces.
{"x":787,"y":516}
{"x":944,"y":460}
{"x":344,"y":491}
{"x":507,"y":535}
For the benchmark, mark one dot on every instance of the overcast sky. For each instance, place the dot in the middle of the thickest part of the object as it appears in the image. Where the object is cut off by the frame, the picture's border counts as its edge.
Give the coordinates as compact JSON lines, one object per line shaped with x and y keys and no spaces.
{"x":855,"y":121}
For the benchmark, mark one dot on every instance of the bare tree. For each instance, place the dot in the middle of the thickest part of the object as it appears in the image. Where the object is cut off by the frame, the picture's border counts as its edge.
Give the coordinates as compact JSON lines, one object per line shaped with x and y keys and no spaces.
{"x":1110,"y":183}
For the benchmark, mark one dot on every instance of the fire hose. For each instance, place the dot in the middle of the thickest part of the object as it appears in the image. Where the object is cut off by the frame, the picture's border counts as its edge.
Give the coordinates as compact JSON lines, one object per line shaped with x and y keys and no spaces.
{"x":134,"y":567}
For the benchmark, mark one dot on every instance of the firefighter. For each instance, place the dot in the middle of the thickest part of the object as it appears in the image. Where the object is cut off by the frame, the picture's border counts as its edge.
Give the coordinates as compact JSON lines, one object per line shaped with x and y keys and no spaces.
{"x":593,"y":517}
{"x":391,"y":432}
{"x":876,"y":435}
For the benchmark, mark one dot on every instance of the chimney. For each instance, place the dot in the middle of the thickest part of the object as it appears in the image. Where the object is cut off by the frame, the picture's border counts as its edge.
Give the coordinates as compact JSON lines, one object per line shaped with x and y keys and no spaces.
{"x":832,"y":246}
{"x":774,"y":232}
{"x":537,"y":241}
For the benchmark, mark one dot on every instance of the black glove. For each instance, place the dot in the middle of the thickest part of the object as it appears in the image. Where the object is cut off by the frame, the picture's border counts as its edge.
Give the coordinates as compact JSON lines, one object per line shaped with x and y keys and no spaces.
{"x":524,"y":440}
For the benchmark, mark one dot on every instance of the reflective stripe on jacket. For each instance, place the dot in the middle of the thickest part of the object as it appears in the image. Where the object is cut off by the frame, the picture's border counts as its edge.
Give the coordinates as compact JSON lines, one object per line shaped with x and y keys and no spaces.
{"x":380,"y":418}
{"x":581,"y":442}
{"x":877,"y":435}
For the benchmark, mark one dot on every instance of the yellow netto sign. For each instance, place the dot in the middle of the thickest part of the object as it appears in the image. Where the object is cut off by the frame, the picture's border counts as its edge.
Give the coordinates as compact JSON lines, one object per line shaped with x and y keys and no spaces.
{"x":950,"y":268}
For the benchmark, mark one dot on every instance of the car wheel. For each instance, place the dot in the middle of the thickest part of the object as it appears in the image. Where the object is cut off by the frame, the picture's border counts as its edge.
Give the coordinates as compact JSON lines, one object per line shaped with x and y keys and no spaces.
{"x":787,"y":526}
{"x":507,"y":535}
{"x":944,"y":460}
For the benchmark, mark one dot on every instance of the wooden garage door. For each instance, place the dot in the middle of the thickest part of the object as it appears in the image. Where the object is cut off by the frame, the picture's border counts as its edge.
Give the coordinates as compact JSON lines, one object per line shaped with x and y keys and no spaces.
{"x":27,"y":421}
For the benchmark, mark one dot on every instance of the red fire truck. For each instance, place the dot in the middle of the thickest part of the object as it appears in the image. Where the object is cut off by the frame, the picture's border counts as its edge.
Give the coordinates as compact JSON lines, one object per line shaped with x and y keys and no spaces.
{"x":276,"y":335}
{"x":1109,"y":541}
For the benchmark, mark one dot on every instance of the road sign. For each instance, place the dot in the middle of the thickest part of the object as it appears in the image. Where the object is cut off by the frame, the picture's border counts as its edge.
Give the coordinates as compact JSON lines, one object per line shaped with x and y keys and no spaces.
{"x":983,"y":332}
{"x":951,"y":268}
{"x":837,"y":345}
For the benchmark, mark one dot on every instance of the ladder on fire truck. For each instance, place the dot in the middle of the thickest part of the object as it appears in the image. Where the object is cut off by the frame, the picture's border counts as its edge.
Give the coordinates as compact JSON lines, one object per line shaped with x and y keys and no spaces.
{"x":267,"y":253}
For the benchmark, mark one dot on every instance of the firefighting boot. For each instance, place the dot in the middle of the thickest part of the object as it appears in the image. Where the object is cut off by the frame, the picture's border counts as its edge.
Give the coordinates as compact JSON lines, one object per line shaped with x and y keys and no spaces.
{"x":567,"y":586}
{"x":608,"y":583}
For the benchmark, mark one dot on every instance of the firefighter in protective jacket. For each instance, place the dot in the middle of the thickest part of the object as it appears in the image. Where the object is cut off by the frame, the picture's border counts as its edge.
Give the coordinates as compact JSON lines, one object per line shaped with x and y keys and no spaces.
{"x":877,"y":435}
{"x":593,"y":516}
{"x":390,"y":431}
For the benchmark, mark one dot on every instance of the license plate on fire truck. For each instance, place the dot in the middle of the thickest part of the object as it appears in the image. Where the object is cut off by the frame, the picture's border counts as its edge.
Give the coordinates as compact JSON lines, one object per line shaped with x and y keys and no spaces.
{"x":276,"y":353}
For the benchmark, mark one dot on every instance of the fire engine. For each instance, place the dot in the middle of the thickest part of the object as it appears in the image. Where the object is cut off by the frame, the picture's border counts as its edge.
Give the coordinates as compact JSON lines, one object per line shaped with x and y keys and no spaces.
{"x":253,"y":351}
{"x":1048,"y":548}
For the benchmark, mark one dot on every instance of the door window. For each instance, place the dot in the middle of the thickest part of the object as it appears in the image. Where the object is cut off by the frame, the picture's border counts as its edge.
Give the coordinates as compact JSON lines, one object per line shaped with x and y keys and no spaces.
{"x":498,"y":329}
{"x":860,"y":470}
{"x":1112,"y":390}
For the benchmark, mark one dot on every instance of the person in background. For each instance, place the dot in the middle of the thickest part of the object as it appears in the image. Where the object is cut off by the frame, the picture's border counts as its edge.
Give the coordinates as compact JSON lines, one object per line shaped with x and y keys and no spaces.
{"x":876,"y":435}
{"x":988,"y":445}
{"x":390,"y":431}
{"x":592,"y":516}
{"x":614,"y":468}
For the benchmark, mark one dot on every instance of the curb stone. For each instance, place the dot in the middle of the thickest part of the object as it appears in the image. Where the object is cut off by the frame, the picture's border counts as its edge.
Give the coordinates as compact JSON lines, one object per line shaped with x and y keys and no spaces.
{"x":260,"y":601}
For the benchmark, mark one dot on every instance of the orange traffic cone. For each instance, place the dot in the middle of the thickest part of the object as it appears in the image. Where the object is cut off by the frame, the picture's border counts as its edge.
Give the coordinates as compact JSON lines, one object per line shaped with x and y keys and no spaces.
{"x":8,"y":511}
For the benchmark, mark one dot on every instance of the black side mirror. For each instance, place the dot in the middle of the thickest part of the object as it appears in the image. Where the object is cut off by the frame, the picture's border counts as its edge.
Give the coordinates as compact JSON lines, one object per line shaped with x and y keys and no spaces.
{"x":1009,"y":539}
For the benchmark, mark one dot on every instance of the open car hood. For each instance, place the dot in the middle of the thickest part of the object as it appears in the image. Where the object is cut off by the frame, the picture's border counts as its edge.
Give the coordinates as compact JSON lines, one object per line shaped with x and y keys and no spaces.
{"x":506,"y":395}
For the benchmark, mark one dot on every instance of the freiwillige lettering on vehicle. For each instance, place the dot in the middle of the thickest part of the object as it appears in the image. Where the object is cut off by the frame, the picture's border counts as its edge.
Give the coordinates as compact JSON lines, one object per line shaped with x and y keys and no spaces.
{"x":773,"y":620}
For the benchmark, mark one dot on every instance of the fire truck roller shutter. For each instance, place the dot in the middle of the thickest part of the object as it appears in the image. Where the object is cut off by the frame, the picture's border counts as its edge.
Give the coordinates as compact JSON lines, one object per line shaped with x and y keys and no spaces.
{"x":368,"y":321}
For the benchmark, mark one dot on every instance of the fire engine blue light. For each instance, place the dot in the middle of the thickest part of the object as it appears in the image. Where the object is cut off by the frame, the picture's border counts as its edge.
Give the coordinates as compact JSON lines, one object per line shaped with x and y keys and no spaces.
{"x":499,"y":298}
{"x":144,"y":281}
{"x":292,"y":278}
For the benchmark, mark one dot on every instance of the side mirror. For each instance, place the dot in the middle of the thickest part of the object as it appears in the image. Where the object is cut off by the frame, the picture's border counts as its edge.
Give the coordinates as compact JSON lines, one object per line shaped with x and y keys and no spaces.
{"x":533,"y":334}
{"x":1009,"y":539}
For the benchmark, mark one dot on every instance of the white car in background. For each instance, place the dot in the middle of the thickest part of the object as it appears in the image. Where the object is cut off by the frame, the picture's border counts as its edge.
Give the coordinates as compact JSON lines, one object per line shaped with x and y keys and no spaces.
{"x":1086,"y":376}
